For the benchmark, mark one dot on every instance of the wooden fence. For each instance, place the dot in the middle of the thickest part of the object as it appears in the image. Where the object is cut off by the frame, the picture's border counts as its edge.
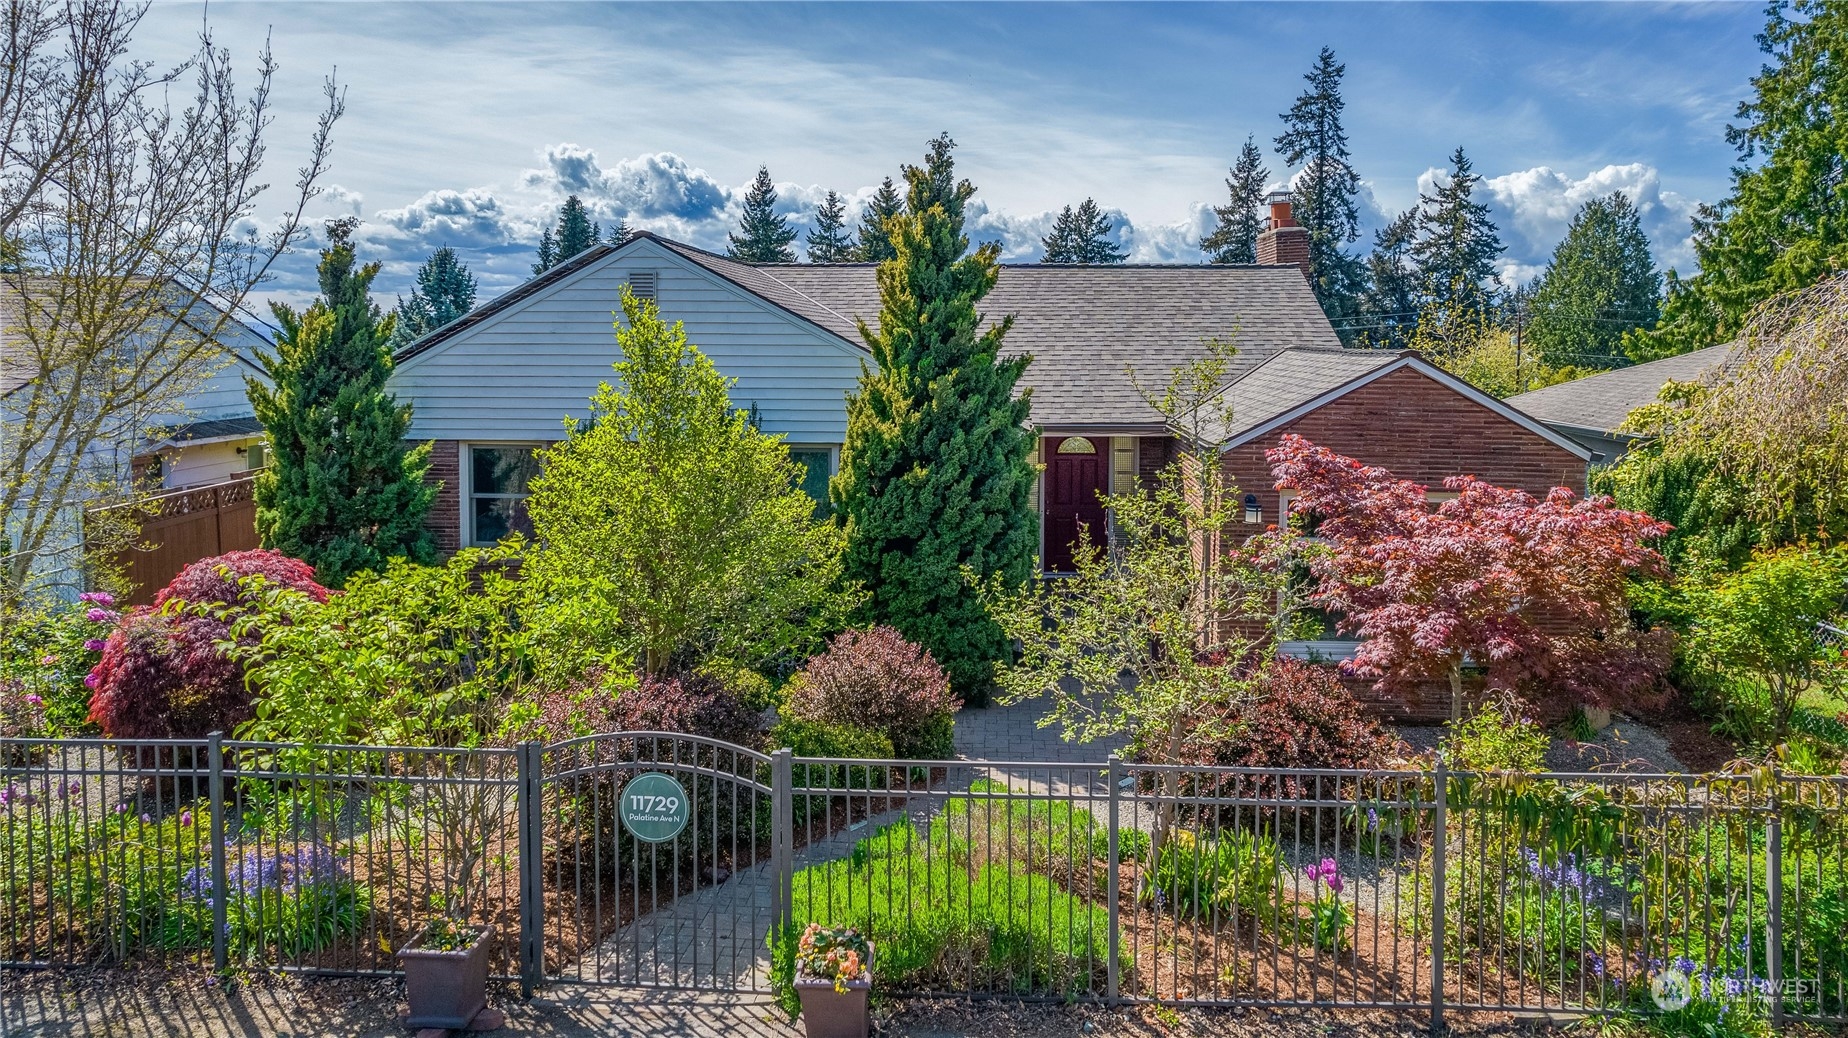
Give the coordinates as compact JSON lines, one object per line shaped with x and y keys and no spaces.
{"x":181,"y":527}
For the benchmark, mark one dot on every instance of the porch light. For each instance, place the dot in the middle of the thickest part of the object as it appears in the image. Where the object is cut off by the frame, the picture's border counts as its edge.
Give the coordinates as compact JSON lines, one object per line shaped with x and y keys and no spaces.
{"x":1254,"y":512}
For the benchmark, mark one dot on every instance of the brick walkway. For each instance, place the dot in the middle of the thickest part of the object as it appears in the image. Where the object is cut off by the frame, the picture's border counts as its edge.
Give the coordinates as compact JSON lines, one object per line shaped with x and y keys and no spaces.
{"x":1012,"y":733}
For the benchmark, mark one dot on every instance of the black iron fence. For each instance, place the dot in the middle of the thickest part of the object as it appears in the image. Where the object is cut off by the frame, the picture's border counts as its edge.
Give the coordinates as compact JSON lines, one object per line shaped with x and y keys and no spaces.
{"x":1429,"y":891}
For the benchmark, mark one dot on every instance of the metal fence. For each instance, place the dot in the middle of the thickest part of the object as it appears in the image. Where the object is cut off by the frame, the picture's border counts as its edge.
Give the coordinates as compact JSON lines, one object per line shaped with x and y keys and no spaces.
{"x":1427,"y":891}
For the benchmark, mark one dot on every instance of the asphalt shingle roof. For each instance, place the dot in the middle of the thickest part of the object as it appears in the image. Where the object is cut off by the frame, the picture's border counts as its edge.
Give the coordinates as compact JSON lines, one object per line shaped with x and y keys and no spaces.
{"x":1601,"y":402}
{"x":1291,"y":378}
{"x":1083,"y":325}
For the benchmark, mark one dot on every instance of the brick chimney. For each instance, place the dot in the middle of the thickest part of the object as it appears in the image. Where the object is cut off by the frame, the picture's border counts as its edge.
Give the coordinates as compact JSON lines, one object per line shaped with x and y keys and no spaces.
{"x":1282,"y":240}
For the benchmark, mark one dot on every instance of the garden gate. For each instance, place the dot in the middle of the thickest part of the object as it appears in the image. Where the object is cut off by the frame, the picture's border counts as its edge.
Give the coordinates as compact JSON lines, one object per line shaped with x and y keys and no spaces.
{"x":663,"y":861}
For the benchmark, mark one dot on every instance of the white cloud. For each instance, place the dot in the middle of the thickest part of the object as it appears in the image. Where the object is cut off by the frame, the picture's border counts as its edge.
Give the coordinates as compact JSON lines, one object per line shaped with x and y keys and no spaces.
{"x":1534,"y":206}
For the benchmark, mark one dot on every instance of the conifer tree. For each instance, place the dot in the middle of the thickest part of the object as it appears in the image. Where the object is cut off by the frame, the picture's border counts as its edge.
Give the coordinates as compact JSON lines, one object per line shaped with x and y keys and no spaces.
{"x":573,"y":233}
{"x":763,"y":236}
{"x":829,"y":242}
{"x":1241,"y":219}
{"x":445,"y":290}
{"x":1457,"y":245}
{"x":1327,"y":187}
{"x":619,"y":233}
{"x":935,"y":473}
{"x":1600,"y":283}
{"x":875,"y":243}
{"x":1081,"y":235}
{"x":1784,"y":226}
{"x":1389,"y":306}
{"x":343,"y":491}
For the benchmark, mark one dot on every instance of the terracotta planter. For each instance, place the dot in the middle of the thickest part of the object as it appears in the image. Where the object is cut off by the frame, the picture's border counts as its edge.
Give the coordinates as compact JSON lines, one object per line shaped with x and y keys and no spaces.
{"x":445,"y":988}
{"x":826,"y":1013}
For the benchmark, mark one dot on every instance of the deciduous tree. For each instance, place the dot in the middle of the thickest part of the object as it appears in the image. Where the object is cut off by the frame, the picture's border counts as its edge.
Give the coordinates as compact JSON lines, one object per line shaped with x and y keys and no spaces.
{"x":669,"y":510}
{"x":125,"y":198}
{"x":1531,"y":592}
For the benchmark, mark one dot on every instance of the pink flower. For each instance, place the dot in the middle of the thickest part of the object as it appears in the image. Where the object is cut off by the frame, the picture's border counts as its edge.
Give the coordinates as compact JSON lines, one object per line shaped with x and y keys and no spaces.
{"x":47,"y":660}
{"x":33,"y":699}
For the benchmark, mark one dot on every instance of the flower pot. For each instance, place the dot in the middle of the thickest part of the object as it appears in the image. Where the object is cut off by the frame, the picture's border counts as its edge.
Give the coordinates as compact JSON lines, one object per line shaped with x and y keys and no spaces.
{"x":827,"y":1013}
{"x":445,"y":988}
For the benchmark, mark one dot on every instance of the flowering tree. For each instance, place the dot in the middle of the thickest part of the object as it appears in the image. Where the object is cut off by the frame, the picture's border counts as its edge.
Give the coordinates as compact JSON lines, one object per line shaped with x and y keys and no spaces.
{"x":1530,"y":591}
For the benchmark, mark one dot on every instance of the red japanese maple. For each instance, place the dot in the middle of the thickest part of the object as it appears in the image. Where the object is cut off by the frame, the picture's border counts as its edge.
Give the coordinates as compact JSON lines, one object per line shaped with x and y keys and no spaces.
{"x":1531,"y":591}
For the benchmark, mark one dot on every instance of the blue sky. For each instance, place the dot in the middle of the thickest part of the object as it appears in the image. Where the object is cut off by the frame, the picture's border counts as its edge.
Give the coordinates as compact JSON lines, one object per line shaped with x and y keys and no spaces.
{"x":468,"y":123}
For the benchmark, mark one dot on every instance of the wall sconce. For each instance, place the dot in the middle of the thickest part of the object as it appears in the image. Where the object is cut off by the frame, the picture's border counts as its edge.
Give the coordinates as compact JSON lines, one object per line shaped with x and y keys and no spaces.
{"x":1254,"y":513}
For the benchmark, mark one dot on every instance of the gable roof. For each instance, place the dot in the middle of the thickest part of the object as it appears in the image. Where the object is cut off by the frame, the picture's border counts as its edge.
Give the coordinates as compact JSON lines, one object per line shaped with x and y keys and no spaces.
{"x":1294,"y":382}
{"x":1083,"y":325}
{"x":1600,"y":403}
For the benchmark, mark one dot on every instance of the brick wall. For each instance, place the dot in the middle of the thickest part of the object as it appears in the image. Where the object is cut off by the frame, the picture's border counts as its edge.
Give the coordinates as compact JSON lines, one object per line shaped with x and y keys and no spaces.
{"x":1153,"y":454}
{"x":445,"y":518}
{"x":1421,"y":430}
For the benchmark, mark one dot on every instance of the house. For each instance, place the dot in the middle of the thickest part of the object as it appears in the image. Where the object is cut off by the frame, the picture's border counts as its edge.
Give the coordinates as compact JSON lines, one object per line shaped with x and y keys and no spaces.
{"x":495,"y":384}
{"x":202,"y":436}
{"x":1592,"y":410}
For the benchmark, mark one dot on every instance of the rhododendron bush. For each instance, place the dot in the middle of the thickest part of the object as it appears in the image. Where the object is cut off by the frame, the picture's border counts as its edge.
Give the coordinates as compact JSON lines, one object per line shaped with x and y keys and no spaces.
{"x":163,"y":673}
{"x":1529,"y":591}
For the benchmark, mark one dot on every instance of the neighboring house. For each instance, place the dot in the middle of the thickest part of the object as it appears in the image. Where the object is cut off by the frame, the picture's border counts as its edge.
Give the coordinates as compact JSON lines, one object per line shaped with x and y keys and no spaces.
{"x":209,"y":436}
{"x":494,"y":385}
{"x":1591,"y":410}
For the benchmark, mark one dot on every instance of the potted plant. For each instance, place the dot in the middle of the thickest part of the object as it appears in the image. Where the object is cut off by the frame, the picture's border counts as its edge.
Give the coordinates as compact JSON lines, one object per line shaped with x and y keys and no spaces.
{"x":834,"y":974}
{"x":446,"y":973}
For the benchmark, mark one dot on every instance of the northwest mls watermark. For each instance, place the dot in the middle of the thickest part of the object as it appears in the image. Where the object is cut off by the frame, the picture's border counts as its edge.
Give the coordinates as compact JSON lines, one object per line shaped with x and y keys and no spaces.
{"x":1672,"y":989}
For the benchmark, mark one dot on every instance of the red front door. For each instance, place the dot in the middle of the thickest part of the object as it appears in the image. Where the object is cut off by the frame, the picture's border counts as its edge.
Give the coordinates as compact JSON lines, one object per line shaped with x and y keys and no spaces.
{"x":1074,"y":489}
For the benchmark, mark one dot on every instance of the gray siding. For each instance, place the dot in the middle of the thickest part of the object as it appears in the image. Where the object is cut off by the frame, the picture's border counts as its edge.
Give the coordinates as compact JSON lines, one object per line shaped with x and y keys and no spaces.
{"x":517,"y":374}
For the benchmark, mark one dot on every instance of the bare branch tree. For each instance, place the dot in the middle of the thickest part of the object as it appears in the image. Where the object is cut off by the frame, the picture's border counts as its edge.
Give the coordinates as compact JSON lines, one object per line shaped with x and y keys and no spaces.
{"x":130,"y":242}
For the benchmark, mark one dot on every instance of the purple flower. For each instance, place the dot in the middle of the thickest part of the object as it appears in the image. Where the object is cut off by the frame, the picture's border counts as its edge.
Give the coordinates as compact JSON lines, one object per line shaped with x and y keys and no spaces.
{"x":90,"y":680}
{"x":101,"y":598}
{"x":33,"y":699}
{"x":1596,"y":962}
{"x":1373,"y":819}
{"x":98,"y":616}
{"x":266,"y":868}
{"x":185,"y":819}
{"x":48,"y":660}
{"x":121,"y":808}
{"x":93,"y":644}
{"x":145,"y":819}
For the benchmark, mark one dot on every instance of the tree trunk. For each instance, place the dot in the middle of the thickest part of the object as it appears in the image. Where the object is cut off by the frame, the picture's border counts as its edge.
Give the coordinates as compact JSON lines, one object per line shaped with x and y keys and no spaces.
{"x":1456,"y":690}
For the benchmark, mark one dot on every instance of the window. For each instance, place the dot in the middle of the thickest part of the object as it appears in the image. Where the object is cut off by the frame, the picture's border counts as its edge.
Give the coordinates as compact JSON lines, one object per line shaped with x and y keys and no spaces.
{"x":1076,"y":445}
{"x":497,"y":492}
{"x":818,"y":465}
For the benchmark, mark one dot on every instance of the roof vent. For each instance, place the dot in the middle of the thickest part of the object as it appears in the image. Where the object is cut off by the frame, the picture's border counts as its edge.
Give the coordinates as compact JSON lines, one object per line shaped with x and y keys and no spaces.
{"x":643,"y":284}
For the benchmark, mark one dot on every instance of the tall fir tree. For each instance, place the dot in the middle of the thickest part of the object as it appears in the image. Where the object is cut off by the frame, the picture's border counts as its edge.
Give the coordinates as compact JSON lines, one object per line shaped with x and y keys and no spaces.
{"x":1389,"y":306}
{"x":1327,"y":188}
{"x":1081,"y":235}
{"x":1601,"y":283}
{"x":1784,"y":226}
{"x":445,"y":290}
{"x":1457,"y":245}
{"x":762,"y":236}
{"x":1241,"y":219}
{"x":619,"y":233}
{"x":573,"y":233}
{"x":828,"y":241}
{"x":343,"y":491}
{"x":935,"y":472}
{"x":875,"y":243}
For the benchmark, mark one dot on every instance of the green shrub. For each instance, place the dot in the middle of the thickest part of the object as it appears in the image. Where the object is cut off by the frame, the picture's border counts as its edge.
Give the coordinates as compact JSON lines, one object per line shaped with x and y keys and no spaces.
{"x":1496,"y":738}
{"x":940,"y":920}
{"x":1053,"y":838}
{"x":47,"y":654}
{"x":1239,"y":873}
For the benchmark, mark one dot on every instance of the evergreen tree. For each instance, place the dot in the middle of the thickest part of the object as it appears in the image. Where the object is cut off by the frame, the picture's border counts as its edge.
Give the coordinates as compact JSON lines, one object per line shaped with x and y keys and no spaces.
{"x":875,"y":242}
{"x":1081,"y":235}
{"x":445,"y":290}
{"x":1785,"y":224}
{"x":343,"y":492}
{"x":619,"y":233}
{"x":1241,"y":219}
{"x":1327,"y":188}
{"x":762,"y":235}
{"x":935,"y":472}
{"x":1389,"y":307}
{"x":573,"y":233}
{"x":1600,"y":283}
{"x":1457,"y":244}
{"x":829,"y":241}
